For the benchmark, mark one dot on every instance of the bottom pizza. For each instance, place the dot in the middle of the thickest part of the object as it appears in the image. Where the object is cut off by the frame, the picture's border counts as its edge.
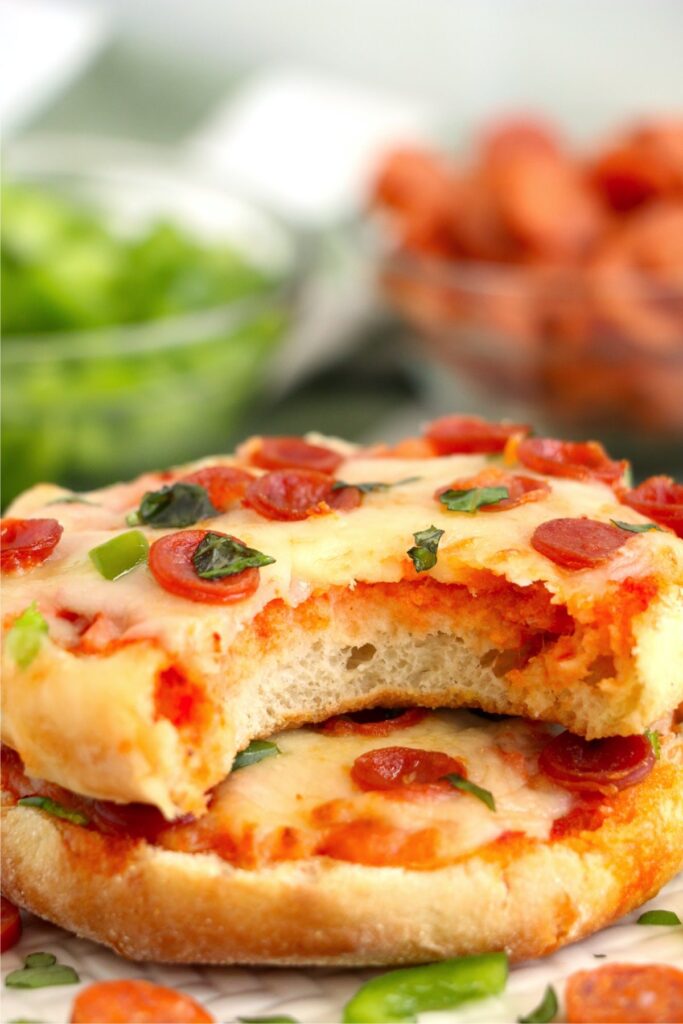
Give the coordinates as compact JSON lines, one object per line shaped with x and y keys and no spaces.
{"x":384,"y":837}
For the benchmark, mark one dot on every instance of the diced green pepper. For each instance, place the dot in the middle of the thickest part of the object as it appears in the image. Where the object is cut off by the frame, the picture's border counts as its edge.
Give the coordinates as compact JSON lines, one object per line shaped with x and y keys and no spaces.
{"x":26,"y":635}
{"x":119,"y":555}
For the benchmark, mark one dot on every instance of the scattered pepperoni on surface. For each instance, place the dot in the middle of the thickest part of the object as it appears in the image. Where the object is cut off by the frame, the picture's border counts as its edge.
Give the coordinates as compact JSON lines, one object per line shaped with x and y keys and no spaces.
{"x":521,"y":489}
{"x":470,"y":435}
{"x":10,"y":925}
{"x":225,"y":485}
{"x":578,"y":543}
{"x":136,"y":1002}
{"x":374,"y":722}
{"x":25,"y":543}
{"x":404,"y":768}
{"x":659,"y":498}
{"x":597,"y":766}
{"x":579,"y":460}
{"x":294,"y":453}
{"x":170,"y":562}
{"x":293,"y":494}
{"x":625,"y":994}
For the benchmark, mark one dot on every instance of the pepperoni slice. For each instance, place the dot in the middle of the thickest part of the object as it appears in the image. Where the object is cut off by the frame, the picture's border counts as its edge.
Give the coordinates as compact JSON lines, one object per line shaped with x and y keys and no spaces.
{"x":375,"y":722}
{"x":10,"y":925}
{"x":136,"y":1002}
{"x":597,"y":766}
{"x":170,"y":562}
{"x":291,"y":494}
{"x":659,"y":498}
{"x":625,"y":994}
{"x":521,"y":489}
{"x":452,"y":435}
{"x":394,"y":768}
{"x":225,"y":485}
{"x":26,"y":543}
{"x":583,"y":460}
{"x":295,"y":453}
{"x":577,"y":543}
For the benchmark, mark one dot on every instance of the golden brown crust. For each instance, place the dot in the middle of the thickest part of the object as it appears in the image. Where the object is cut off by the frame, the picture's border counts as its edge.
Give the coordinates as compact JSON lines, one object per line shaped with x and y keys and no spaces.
{"x":527,"y":897}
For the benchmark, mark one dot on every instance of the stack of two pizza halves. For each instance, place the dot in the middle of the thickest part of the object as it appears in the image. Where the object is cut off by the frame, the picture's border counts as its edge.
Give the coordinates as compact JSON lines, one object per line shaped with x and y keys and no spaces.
{"x":314,"y":703}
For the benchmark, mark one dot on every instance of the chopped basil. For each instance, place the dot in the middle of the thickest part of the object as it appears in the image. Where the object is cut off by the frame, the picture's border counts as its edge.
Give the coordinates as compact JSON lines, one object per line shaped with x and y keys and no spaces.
{"x":599,"y":956}
{"x":176,"y":505}
{"x":423,"y":555}
{"x":653,"y":737}
{"x":545,"y":1011}
{"x":368,"y":488}
{"x":466,"y":786}
{"x":40,"y":960}
{"x":217,"y":555}
{"x":119,"y":555}
{"x":41,"y":970}
{"x":661,"y":917}
{"x":473,"y":499}
{"x":258,"y":750}
{"x":44,"y":803}
{"x":26,"y":635}
{"x":401,"y":995}
{"x":636,"y":527}
{"x":73,"y":499}
{"x":278,"y":1019}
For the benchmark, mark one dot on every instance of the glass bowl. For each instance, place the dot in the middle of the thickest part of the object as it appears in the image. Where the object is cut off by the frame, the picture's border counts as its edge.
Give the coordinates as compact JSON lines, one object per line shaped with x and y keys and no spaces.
{"x":581,"y":353}
{"x":86,"y":407}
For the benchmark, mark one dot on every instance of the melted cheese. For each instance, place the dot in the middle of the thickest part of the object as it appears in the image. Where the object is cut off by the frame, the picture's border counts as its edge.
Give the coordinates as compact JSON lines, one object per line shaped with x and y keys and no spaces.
{"x":308,"y":790}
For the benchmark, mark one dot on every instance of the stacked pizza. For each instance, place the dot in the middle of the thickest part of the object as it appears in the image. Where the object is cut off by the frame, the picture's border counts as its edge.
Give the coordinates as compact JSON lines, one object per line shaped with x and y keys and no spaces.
{"x":318,"y":703}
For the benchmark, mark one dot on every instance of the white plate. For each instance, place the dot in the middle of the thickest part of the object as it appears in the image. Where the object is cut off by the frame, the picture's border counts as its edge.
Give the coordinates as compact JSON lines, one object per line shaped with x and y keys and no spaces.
{"x":317,"y":996}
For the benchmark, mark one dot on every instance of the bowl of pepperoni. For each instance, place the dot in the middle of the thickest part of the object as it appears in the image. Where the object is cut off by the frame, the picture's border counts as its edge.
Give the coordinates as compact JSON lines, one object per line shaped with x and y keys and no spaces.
{"x":546,"y":279}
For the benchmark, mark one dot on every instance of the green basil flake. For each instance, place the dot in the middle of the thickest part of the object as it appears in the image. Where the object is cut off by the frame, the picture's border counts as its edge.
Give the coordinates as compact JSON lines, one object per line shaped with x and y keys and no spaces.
{"x":545,"y":1011}
{"x":73,"y":499}
{"x":118,"y":556}
{"x":653,"y":737}
{"x":370,"y":487}
{"x":26,"y":635}
{"x":40,"y":960}
{"x":400,"y":995}
{"x":466,"y":786}
{"x":473,"y":499}
{"x":41,"y":970}
{"x":217,"y":555}
{"x":44,"y":803}
{"x":258,"y":750}
{"x":175,"y":505}
{"x":423,"y":555}
{"x":278,"y":1019}
{"x":661,"y":917}
{"x":636,"y":527}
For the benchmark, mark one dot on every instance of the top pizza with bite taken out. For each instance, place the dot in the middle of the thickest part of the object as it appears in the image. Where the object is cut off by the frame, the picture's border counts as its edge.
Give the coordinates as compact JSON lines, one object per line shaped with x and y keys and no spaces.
{"x":154,"y":628}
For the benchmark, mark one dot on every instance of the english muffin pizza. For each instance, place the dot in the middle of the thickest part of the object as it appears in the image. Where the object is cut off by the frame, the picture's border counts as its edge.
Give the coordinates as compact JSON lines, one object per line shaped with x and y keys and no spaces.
{"x":379,"y":692}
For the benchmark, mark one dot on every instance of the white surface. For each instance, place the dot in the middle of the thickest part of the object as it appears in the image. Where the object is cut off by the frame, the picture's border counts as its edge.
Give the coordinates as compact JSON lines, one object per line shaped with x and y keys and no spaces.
{"x":44,"y":44}
{"x":318,"y":996}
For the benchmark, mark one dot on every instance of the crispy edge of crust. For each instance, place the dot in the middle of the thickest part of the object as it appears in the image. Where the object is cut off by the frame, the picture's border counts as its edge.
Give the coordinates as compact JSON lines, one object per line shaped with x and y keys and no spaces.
{"x":526,"y":897}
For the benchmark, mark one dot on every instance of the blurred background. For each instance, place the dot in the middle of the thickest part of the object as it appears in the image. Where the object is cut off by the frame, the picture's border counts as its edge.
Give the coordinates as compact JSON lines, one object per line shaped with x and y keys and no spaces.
{"x":271,"y":216}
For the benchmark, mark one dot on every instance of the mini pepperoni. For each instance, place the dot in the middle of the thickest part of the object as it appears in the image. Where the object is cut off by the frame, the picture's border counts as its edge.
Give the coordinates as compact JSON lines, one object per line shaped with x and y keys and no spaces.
{"x":625,"y":994}
{"x":295,"y":453}
{"x":578,"y":543}
{"x":225,"y":485}
{"x":391,"y":768}
{"x":583,"y":460}
{"x":597,"y":766}
{"x":521,"y":489}
{"x":170,"y":562}
{"x":136,"y":1002}
{"x":10,"y":925}
{"x":659,"y":498}
{"x":26,"y":543}
{"x":375,"y":722}
{"x":291,"y":494}
{"x":452,"y":435}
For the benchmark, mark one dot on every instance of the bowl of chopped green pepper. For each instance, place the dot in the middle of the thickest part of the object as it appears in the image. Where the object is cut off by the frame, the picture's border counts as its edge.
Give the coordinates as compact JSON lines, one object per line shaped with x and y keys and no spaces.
{"x":141,"y":307}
